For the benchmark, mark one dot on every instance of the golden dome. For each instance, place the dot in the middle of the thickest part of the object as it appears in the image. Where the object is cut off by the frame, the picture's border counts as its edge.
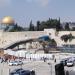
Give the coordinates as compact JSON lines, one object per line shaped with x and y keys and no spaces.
{"x":7,"y":20}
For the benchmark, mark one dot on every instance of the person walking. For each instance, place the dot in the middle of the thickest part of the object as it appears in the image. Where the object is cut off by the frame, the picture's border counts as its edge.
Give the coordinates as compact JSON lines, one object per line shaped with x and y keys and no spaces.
{"x":55,"y":60}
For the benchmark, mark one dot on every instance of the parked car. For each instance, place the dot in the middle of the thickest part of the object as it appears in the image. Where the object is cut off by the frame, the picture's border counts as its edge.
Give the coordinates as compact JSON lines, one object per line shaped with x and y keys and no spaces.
{"x":1,"y":61}
{"x":64,"y":61}
{"x":21,"y":72}
{"x":11,"y":63}
{"x":16,"y":70}
{"x":72,"y":59}
{"x":20,"y":62}
{"x":70,"y":63}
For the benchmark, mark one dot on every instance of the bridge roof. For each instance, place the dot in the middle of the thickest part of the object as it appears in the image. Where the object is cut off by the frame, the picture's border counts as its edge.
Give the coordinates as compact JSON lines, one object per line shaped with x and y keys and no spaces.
{"x":18,"y":43}
{"x":45,"y":38}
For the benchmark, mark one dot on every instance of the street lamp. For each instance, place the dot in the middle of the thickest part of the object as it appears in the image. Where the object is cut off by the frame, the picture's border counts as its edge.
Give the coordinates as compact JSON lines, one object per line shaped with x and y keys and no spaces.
{"x":50,"y":67}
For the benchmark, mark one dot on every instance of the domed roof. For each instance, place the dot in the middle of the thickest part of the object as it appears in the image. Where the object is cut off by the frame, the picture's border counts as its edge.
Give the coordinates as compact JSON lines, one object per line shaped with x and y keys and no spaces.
{"x":7,"y":20}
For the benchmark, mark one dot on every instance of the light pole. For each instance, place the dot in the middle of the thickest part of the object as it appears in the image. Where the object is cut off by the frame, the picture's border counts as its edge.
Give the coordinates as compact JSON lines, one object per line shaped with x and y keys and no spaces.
{"x":50,"y":67}
{"x":9,"y":71}
{"x":2,"y":68}
{"x":1,"y":72}
{"x":21,"y":66}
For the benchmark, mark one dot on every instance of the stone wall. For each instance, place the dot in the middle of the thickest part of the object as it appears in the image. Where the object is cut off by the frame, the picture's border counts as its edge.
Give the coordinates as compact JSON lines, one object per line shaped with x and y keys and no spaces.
{"x":6,"y":38}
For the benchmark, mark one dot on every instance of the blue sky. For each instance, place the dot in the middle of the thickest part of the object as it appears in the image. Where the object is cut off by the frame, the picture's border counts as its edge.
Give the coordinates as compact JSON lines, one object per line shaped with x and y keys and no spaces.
{"x":23,"y":11}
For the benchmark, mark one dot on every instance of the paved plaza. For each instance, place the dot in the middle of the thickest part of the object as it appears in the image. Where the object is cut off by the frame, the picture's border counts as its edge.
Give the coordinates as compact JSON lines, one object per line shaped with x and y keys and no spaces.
{"x":40,"y":67}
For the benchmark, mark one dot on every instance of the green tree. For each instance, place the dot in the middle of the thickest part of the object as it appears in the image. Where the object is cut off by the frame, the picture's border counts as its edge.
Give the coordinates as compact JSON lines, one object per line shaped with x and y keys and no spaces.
{"x":67,"y":27}
{"x":42,"y":25}
{"x":58,"y":26}
{"x":67,"y":37}
{"x":31,"y":26}
{"x":38,"y":25}
{"x":16,"y":28}
{"x":47,"y":44}
{"x":53,"y":42}
{"x":50,"y":23}
{"x":73,"y":29}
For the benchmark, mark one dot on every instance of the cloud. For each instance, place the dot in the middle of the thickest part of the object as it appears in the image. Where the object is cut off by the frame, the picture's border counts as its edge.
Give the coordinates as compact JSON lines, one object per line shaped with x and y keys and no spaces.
{"x":43,"y":2}
{"x":4,"y":3}
{"x":40,"y":2}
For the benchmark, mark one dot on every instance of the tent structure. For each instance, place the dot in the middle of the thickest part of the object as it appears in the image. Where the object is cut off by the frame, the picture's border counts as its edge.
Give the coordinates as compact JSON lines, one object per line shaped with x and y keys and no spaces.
{"x":45,"y":38}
